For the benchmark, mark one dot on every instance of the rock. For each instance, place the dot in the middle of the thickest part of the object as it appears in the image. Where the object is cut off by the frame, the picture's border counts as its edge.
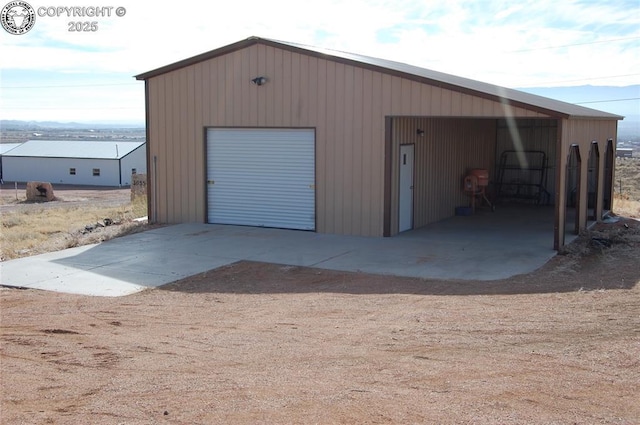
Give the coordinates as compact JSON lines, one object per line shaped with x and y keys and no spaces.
{"x":40,"y":191}
{"x":107,"y":222}
{"x":138,"y":186}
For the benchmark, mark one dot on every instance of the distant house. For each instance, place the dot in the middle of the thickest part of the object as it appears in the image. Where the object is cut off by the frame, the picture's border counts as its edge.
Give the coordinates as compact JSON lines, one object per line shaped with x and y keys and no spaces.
{"x":624,"y":152}
{"x":4,"y":148}
{"x":75,"y":162}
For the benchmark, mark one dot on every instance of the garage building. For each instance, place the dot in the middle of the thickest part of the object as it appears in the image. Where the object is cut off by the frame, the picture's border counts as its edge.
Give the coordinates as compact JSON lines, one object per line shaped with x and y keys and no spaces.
{"x":277,"y":134}
{"x":90,"y":163}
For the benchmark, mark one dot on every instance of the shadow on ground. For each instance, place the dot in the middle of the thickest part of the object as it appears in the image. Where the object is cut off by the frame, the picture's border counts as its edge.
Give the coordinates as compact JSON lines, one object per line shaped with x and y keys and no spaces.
{"x":604,"y":258}
{"x":247,"y":277}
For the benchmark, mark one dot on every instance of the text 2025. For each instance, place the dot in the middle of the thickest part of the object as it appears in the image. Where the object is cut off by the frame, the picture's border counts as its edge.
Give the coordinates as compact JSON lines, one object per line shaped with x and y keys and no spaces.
{"x":83,"y":26}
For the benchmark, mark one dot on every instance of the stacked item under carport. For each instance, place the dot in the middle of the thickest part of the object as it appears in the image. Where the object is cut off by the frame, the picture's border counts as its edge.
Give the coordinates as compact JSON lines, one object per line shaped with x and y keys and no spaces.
{"x":523,"y":175}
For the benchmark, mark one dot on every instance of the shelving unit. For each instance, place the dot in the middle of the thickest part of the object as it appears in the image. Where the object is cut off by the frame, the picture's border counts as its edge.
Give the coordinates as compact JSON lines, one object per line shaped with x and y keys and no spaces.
{"x":523,"y":175}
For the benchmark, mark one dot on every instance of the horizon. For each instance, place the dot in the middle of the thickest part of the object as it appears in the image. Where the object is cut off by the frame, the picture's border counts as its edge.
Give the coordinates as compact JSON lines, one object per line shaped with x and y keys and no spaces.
{"x":571,"y":94}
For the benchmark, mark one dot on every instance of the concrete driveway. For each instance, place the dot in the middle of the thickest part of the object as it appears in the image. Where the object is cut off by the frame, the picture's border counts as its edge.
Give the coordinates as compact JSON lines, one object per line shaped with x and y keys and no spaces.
{"x":485,"y":246}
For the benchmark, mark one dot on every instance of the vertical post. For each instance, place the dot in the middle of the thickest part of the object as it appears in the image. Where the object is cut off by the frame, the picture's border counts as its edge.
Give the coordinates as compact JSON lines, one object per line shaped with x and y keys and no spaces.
{"x":16,"y":186}
{"x":580,"y":217}
{"x":560,"y":195}
{"x":620,"y":186}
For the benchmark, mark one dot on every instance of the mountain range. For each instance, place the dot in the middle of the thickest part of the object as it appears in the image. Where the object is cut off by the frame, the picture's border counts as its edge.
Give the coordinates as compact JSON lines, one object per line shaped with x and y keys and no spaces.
{"x":55,"y":125}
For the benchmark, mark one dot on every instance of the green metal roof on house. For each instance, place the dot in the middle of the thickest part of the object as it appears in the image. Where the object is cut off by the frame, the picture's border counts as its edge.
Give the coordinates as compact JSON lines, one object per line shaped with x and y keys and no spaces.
{"x":546,"y":105}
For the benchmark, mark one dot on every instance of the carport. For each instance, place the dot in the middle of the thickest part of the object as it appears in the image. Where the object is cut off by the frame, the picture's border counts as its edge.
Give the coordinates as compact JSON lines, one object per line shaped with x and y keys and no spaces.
{"x":526,"y":167}
{"x":519,"y":155}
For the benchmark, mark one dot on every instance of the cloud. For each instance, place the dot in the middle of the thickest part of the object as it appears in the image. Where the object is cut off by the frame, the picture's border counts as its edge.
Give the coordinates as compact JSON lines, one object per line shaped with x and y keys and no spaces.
{"x":503,"y":42}
{"x":480,"y":37}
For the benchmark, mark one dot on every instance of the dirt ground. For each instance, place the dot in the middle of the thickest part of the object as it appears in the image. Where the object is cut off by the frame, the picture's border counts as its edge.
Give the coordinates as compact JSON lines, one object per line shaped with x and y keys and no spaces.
{"x":264,"y":343}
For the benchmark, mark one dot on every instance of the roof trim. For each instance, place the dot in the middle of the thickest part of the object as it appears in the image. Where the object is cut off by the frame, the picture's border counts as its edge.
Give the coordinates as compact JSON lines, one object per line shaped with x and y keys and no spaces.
{"x":546,"y":106}
{"x":199,"y":58}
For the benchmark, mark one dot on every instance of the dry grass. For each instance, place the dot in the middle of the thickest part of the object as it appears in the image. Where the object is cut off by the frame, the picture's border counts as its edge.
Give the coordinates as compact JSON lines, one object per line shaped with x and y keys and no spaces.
{"x":139,"y":207}
{"x":41,"y":229}
{"x":624,"y":206}
{"x":626,"y":198}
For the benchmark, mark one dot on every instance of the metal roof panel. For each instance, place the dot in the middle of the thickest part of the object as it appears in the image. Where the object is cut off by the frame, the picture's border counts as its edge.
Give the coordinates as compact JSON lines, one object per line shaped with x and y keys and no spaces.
{"x":6,"y":147}
{"x":74,"y":149}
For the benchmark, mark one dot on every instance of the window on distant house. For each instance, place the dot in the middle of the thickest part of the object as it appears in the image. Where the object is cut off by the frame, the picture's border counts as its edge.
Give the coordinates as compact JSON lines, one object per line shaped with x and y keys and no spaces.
{"x":134,"y":171}
{"x":96,"y":171}
{"x":72,"y":171}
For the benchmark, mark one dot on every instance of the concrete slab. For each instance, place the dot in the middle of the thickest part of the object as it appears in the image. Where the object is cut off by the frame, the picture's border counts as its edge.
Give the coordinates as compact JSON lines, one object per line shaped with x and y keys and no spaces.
{"x":87,"y":283}
{"x":485,"y":246}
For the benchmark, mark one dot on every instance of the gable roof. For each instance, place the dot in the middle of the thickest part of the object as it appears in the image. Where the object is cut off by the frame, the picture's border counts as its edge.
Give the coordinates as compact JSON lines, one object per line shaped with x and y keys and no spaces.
{"x":476,"y":88}
{"x":74,"y":149}
{"x":6,"y":147}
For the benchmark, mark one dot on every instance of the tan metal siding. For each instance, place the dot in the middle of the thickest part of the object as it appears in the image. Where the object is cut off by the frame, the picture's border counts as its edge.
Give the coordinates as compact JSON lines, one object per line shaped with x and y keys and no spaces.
{"x":182,"y":144}
{"x":355,"y":134}
{"x":173,"y":148}
{"x":347,"y":106}
{"x":376,"y":153}
{"x":163,"y":154}
{"x":321,"y":134}
{"x":366,"y":155}
{"x":349,"y":167}
{"x":202,"y":110}
{"x":186,"y":139}
{"x":154,"y":132}
{"x":334,"y":150}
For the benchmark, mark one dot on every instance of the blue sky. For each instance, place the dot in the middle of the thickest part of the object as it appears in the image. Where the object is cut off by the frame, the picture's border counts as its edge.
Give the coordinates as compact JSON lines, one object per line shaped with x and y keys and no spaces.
{"x":51,"y":73}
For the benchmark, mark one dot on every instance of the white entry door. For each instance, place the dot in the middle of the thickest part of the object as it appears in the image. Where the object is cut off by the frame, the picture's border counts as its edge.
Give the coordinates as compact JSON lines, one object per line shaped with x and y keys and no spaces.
{"x":405,"y":215}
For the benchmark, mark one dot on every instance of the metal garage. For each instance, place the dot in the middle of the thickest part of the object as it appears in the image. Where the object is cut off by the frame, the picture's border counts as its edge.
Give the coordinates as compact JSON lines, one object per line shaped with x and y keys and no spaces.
{"x":216,"y":121}
{"x":261,"y":177}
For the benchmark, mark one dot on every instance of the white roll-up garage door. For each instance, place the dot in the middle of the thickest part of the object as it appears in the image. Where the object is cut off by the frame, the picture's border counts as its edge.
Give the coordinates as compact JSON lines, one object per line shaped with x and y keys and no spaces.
{"x":261,"y":177}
